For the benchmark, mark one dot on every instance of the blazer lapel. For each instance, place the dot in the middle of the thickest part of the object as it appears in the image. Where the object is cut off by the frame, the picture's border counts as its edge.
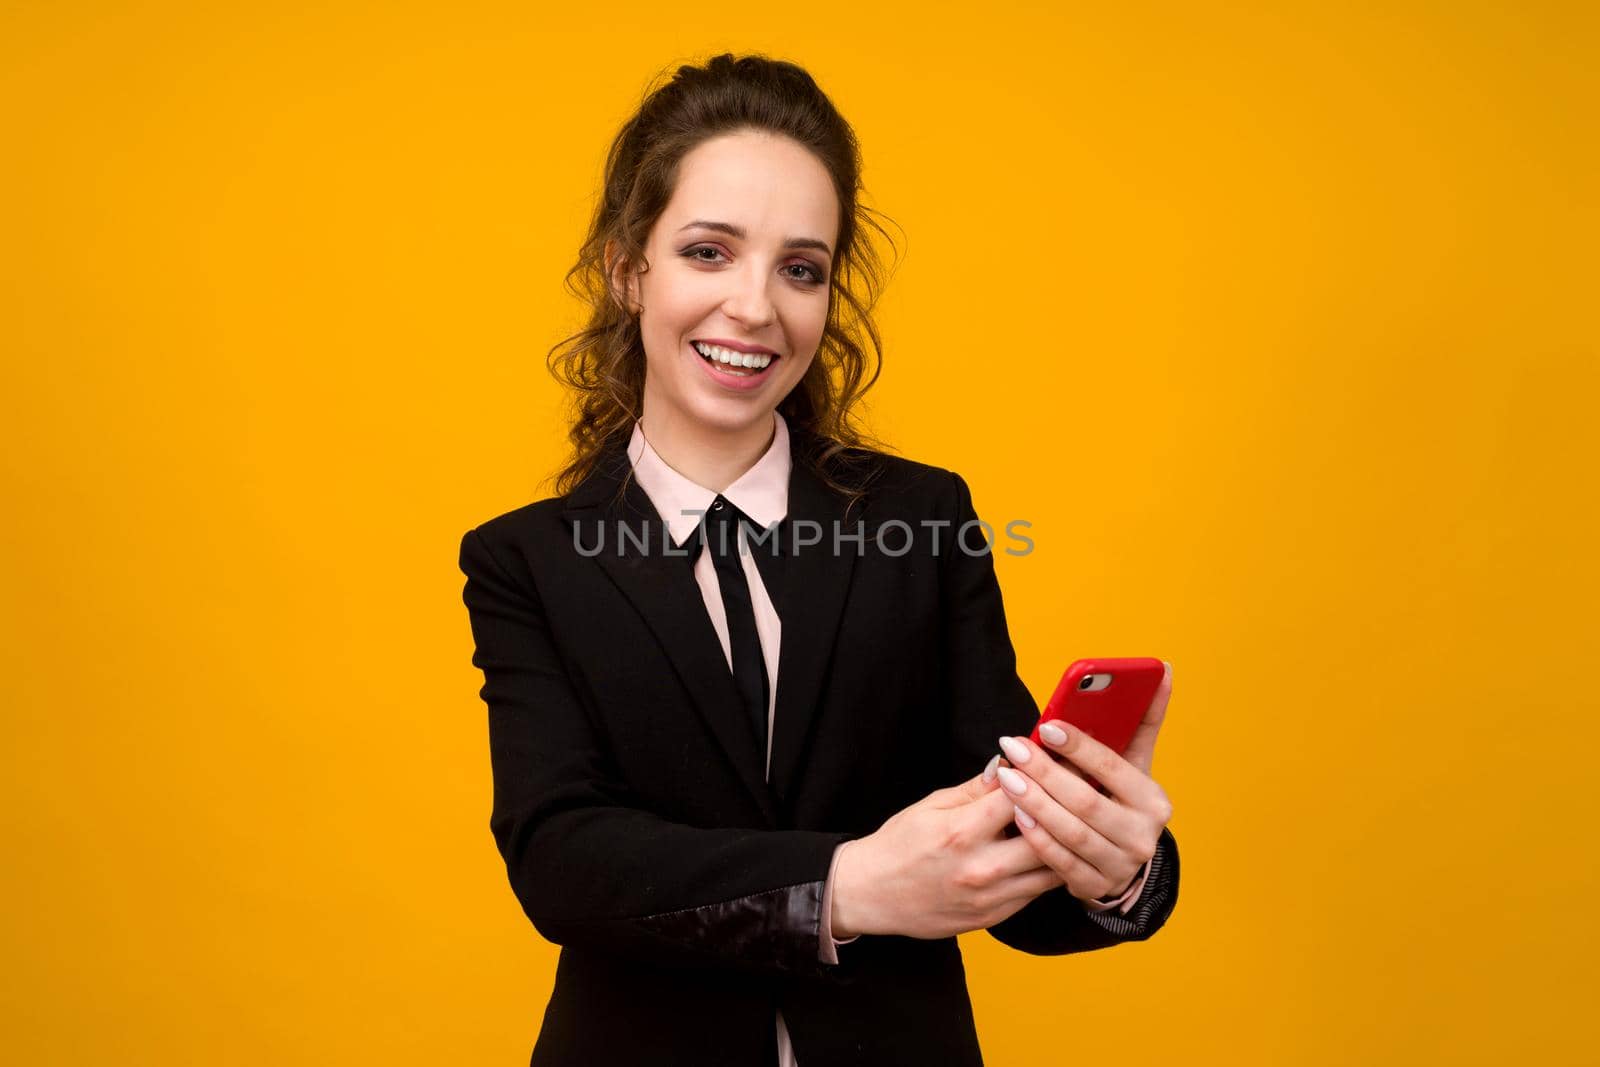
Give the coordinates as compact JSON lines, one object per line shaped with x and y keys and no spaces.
{"x":663,"y":590}
{"x":665,"y":593}
{"x":810,"y":603}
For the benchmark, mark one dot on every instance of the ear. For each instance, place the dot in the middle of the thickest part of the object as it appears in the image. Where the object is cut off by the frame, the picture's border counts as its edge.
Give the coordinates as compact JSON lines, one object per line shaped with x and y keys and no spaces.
{"x":624,"y":286}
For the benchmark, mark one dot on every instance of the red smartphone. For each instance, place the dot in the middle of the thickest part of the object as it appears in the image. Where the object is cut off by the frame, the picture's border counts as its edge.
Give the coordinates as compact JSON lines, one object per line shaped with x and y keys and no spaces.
{"x":1105,"y":698}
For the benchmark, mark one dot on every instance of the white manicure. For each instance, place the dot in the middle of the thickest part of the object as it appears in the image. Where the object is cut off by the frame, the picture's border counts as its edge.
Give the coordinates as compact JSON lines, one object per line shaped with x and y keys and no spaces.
{"x":1015,"y":750}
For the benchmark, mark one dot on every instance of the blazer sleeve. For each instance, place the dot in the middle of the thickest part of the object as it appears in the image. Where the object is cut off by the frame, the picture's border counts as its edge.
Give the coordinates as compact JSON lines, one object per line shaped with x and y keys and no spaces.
{"x":988,"y":699}
{"x":588,"y":864}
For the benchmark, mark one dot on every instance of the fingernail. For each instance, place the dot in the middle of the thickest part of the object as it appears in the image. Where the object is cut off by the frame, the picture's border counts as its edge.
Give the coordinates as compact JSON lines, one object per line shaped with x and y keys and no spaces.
{"x":1015,"y":750}
{"x":1012,"y":781}
{"x":989,"y":769}
{"x":1023,"y":817}
{"x":1053,"y":733}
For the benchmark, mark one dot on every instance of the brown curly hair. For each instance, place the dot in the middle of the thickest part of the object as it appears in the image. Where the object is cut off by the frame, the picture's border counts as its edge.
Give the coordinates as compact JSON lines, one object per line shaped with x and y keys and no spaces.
{"x":604,"y":363}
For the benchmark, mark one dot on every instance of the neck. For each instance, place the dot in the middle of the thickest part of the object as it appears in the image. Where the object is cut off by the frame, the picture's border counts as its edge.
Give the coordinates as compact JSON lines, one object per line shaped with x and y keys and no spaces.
{"x":707,"y":455}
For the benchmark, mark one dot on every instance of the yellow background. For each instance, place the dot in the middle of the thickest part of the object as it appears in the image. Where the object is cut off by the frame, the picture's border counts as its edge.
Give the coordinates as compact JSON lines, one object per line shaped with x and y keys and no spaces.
{"x":1276,"y":321}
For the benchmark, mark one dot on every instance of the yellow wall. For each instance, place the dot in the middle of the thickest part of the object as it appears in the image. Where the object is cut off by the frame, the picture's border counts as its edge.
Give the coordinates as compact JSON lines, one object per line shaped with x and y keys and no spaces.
{"x":1278,"y":324}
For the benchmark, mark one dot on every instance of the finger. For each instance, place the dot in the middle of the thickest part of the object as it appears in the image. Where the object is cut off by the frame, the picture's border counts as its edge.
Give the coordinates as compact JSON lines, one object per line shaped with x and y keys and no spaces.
{"x":985,"y":781}
{"x":990,"y":814}
{"x":1008,"y":857}
{"x":1083,"y":878}
{"x":1035,"y":810}
{"x":1121,"y":778}
{"x":1067,"y":766}
{"x":1042,"y":879}
{"x":1048,"y":786}
{"x":1141,"y":750}
{"x":962,"y":793}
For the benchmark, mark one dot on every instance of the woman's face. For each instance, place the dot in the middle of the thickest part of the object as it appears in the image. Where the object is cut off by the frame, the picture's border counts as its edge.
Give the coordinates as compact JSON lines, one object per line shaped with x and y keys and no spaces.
{"x":741,"y":255}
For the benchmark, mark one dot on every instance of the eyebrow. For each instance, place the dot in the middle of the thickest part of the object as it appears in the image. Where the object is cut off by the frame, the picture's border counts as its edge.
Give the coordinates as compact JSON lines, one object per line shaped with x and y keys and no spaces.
{"x":735,"y":231}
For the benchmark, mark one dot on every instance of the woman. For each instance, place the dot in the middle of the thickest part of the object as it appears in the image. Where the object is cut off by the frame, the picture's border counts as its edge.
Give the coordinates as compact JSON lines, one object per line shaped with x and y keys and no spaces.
{"x":746,"y":674}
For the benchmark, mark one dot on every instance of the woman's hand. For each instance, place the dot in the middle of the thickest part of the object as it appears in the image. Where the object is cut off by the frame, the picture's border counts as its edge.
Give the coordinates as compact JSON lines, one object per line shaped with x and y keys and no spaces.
{"x":942,"y":866}
{"x":1096,"y":843}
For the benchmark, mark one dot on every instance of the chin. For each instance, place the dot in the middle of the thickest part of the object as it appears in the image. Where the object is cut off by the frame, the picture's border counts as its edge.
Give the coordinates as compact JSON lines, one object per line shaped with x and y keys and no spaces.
{"x":725,"y":414}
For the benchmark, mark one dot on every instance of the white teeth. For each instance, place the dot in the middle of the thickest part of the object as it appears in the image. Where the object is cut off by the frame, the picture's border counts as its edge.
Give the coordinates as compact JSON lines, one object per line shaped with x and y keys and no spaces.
{"x":757,"y":360}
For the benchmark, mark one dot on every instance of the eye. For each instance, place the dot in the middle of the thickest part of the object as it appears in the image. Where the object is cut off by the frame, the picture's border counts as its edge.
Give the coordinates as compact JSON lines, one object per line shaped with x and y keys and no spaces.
{"x":694,"y":253}
{"x":813,"y":275}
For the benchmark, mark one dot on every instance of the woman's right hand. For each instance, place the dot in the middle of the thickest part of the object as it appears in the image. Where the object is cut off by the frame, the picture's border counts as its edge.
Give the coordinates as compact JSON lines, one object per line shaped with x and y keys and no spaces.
{"x":942,"y":866}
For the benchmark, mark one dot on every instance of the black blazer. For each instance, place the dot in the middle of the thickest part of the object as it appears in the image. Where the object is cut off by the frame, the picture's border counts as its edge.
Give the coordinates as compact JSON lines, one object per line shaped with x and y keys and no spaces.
{"x":629,"y":801}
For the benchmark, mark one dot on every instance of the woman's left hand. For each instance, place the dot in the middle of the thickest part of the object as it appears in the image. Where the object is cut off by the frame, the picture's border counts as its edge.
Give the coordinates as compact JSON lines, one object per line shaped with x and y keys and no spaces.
{"x":1096,"y":843}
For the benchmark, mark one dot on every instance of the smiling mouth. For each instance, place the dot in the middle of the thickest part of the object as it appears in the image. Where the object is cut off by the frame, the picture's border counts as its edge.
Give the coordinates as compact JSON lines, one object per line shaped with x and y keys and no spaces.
{"x":712,"y":356}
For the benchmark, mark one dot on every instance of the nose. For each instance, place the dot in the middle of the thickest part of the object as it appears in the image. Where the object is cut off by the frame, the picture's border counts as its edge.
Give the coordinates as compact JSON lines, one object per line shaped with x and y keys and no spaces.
{"x":749,"y":300}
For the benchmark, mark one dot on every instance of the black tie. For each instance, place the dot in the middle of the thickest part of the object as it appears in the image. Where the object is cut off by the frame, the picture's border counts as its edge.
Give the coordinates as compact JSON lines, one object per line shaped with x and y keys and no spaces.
{"x":749,"y":666}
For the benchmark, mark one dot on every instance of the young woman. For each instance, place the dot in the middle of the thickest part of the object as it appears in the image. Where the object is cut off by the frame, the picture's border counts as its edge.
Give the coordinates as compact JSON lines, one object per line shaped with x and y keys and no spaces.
{"x":747,"y":674}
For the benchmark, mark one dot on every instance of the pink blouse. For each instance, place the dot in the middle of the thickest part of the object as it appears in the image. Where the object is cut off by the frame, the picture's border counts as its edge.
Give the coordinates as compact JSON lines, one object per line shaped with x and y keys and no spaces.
{"x":762,"y":492}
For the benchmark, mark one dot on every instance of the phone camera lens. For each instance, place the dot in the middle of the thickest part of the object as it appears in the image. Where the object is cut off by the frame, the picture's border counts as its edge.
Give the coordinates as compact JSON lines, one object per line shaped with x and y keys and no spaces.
{"x":1086,"y":681}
